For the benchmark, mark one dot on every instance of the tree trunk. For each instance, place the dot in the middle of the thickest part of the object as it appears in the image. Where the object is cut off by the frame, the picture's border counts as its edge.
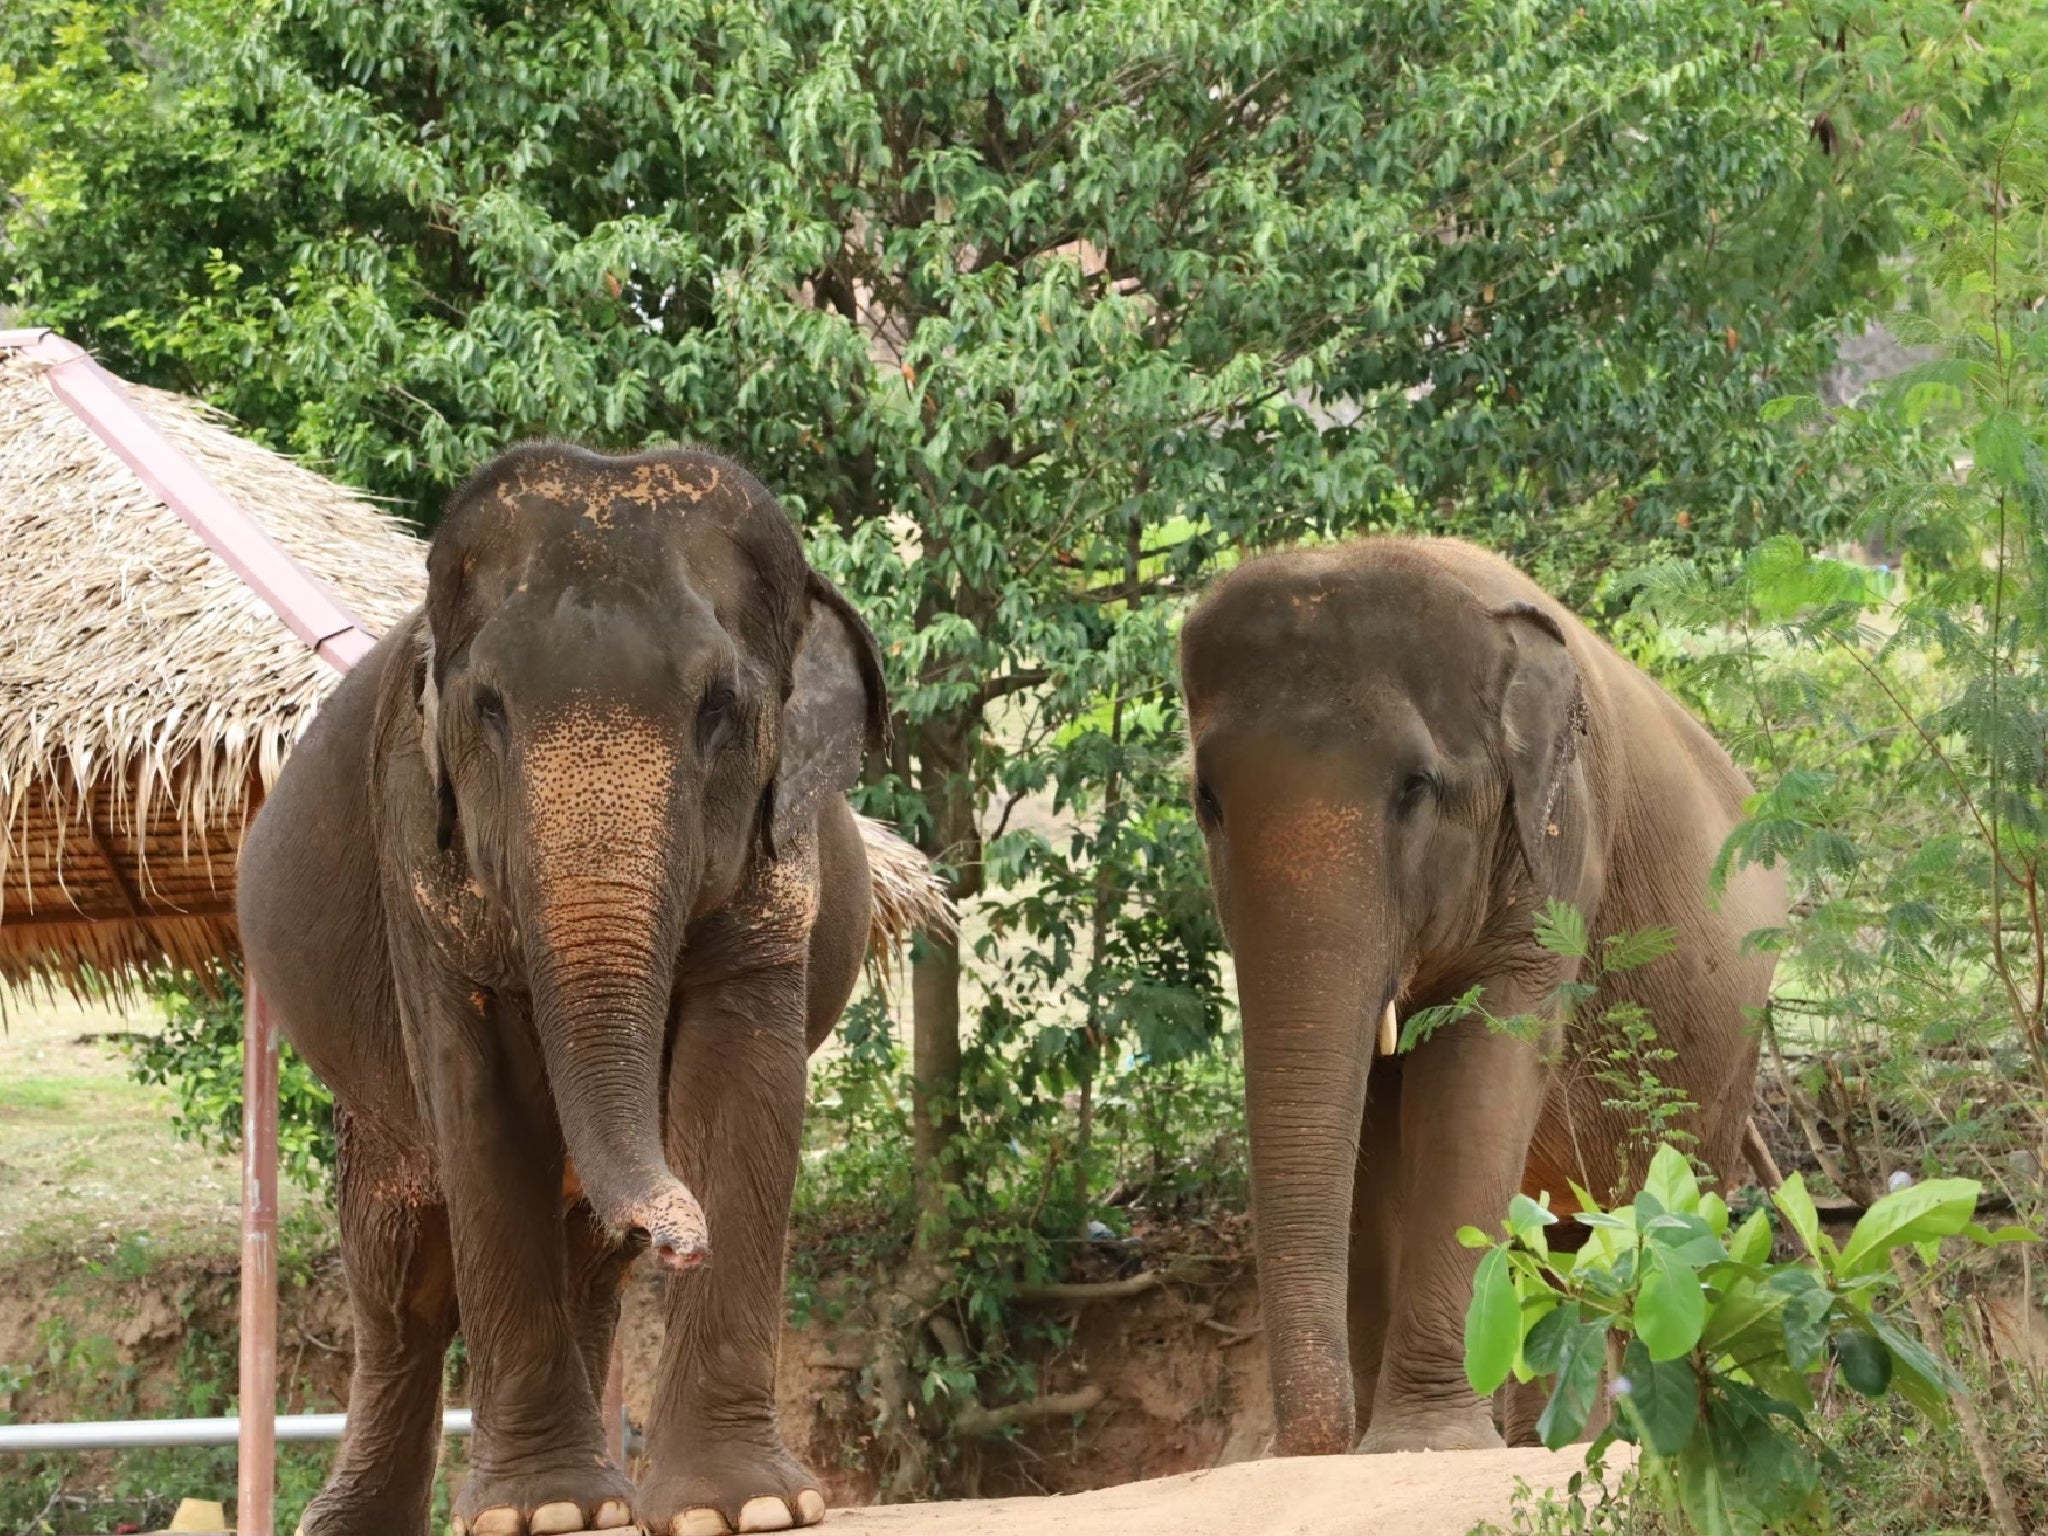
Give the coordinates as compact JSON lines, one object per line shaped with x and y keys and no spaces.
{"x":945,"y":751}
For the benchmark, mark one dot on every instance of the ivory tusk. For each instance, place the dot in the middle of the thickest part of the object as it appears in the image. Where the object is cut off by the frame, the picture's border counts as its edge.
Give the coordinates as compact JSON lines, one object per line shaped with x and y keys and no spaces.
{"x":1390,"y":1031}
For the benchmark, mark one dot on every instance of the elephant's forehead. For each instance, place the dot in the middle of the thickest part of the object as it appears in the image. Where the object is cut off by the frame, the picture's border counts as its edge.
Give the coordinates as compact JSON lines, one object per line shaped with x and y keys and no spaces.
{"x":1372,"y":649}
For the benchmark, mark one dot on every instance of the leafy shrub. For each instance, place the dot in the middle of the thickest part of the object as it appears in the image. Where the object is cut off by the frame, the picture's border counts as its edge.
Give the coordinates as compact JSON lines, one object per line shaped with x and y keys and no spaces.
{"x":198,"y":1056}
{"x":1706,"y":1346}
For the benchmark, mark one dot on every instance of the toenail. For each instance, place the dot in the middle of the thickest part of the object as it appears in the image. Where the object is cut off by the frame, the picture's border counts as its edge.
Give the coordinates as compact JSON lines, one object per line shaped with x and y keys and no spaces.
{"x":611,"y":1514}
{"x":699,"y":1522}
{"x":810,"y":1506}
{"x":556,"y":1519}
{"x":765,"y":1513}
{"x":497,"y":1522}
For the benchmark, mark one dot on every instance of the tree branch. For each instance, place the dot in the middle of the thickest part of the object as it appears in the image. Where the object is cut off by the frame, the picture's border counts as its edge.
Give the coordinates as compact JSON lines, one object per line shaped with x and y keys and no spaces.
{"x":1077,"y":1293}
{"x":979,"y":1423}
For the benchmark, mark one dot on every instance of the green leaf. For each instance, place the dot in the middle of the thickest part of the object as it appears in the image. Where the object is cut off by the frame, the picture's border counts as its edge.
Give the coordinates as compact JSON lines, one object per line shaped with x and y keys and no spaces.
{"x":1663,"y":1399}
{"x":1744,"y":1310}
{"x":1687,"y":1237}
{"x":1472,"y":1237}
{"x":1752,"y":1241}
{"x":1580,"y":1357}
{"x":1544,"y":1347}
{"x":1633,"y":951}
{"x":1804,"y":1317}
{"x":1671,"y":1308}
{"x":1977,"y":1233}
{"x":1561,"y":929}
{"x":1493,"y":1324}
{"x":1865,"y":1362}
{"x":1920,"y":1378}
{"x":1672,"y":1181}
{"x":1792,"y":1199}
{"x":1526,"y":1220}
{"x":2001,"y":447}
{"x":1920,"y":1213}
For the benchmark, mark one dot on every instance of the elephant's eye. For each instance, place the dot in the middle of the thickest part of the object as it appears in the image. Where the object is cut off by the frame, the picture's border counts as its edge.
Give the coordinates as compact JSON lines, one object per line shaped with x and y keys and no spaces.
{"x":715,"y":712}
{"x":1417,"y":788}
{"x":490,"y":707}
{"x":1207,"y":806}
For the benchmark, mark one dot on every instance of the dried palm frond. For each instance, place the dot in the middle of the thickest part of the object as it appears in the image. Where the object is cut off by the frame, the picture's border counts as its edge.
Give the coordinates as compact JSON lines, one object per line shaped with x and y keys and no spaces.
{"x":910,"y":898}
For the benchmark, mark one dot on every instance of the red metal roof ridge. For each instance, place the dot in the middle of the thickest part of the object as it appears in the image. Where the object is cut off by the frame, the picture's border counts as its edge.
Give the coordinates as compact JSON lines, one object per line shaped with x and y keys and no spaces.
{"x":293,"y":593}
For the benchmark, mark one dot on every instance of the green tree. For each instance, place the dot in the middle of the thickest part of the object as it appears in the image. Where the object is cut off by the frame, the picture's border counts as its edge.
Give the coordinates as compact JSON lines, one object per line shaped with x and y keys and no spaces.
{"x":1035,"y":314}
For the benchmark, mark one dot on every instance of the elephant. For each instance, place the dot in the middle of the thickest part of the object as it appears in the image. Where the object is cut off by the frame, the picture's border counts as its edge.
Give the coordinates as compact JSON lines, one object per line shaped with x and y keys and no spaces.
{"x":557,"y":895}
{"x":1401,"y":750}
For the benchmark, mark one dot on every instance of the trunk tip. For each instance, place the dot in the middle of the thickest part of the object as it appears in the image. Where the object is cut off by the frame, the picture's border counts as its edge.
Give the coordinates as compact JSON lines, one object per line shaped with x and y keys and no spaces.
{"x":673,"y":1220}
{"x":682,"y":1259}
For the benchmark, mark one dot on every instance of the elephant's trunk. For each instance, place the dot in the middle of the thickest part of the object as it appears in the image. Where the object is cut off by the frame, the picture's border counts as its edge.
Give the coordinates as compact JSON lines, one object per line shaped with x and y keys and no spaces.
{"x":603,"y":919}
{"x":1311,"y":984}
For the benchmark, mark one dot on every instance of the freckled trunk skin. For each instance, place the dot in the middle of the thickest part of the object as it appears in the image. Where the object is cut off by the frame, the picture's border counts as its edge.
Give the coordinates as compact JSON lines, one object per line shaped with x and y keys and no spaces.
{"x":1311,"y":978}
{"x":600,"y":898}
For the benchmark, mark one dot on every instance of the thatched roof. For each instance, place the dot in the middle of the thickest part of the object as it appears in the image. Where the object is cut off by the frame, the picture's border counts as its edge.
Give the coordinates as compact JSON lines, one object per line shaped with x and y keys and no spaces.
{"x":148,"y":696}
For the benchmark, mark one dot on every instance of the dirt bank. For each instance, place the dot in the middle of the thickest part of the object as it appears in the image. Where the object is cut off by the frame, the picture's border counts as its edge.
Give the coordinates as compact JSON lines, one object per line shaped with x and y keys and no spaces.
{"x":1180,"y":1369}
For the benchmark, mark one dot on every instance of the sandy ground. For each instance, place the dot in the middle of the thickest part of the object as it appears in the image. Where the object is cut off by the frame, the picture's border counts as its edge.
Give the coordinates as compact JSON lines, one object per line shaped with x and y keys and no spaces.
{"x":1444,"y":1494}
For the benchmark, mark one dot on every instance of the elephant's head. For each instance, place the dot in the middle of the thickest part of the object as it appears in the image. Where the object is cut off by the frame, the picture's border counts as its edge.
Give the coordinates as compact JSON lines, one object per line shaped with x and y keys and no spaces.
{"x":1383,"y":762}
{"x":633,"y":686}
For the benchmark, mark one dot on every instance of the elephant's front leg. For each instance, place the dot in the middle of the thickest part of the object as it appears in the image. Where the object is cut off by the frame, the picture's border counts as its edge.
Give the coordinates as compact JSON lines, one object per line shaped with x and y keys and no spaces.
{"x":537,"y":1458}
{"x":716,"y":1460}
{"x":1470,"y":1097}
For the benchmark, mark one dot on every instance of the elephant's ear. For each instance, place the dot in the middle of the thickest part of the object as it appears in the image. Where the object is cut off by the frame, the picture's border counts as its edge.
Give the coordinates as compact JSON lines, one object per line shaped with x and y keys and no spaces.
{"x":838,"y":711}
{"x":1544,"y":715}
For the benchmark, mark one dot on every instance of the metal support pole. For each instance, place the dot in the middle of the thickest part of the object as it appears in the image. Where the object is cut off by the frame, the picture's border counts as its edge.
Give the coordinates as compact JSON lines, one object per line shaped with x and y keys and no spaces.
{"x":256,"y":1468}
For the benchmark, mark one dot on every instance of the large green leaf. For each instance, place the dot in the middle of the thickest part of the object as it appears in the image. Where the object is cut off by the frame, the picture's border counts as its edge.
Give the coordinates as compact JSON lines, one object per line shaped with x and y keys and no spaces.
{"x":1493,"y":1324}
{"x":1543,"y":1349}
{"x":1751,"y":1243}
{"x":1671,"y":1308}
{"x":1663,"y":1399}
{"x":1672,"y":1181}
{"x":1803,"y":1318}
{"x":1920,"y":1378}
{"x":1936,"y":1208}
{"x":1581,"y":1354}
{"x":1797,"y":1205}
{"x":1865,"y":1361}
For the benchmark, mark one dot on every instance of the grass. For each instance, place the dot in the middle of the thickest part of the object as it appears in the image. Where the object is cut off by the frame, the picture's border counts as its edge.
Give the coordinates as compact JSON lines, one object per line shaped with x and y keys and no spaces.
{"x":88,"y":1160}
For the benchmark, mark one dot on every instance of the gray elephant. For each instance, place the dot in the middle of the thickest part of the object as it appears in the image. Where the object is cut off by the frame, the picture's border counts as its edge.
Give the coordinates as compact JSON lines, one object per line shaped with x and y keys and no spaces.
{"x":1401,"y":749}
{"x":557,"y":895}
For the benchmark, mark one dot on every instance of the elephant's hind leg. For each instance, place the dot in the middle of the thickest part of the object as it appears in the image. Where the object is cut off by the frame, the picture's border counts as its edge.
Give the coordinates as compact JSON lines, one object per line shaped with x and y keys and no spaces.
{"x":597,"y":1269}
{"x":401,"y":1280}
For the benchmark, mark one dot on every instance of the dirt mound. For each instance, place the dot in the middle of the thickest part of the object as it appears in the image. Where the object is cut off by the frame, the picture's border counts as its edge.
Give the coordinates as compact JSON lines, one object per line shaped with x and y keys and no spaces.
{"x":1443,"y":1494}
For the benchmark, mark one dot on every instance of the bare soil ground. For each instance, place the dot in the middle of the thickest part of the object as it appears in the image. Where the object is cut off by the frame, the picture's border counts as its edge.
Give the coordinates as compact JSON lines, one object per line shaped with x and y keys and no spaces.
{"x":1420,"y":1495}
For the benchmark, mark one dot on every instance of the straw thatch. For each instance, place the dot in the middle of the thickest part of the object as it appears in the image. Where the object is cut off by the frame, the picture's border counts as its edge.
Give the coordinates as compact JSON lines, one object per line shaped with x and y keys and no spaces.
{"x":148,"y":697}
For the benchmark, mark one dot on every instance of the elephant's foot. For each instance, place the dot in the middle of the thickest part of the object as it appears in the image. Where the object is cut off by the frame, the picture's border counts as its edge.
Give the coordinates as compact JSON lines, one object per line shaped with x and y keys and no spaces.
{"x":711,"y":1487}
{"x":340,"y":1511}
{"x":1468,"y":1428}
{"x":545,"y":1501}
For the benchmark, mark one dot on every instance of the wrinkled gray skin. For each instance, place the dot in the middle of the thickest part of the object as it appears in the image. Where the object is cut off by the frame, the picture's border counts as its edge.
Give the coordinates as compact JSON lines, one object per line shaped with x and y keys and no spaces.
{"x":1401,"y":748}
{"x":557,"y":895}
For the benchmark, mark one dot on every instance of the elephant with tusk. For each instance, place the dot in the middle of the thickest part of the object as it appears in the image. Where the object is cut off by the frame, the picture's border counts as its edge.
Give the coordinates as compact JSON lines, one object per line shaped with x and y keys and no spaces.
{"x":557,"y":895}
{"x":1401,"y":749}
